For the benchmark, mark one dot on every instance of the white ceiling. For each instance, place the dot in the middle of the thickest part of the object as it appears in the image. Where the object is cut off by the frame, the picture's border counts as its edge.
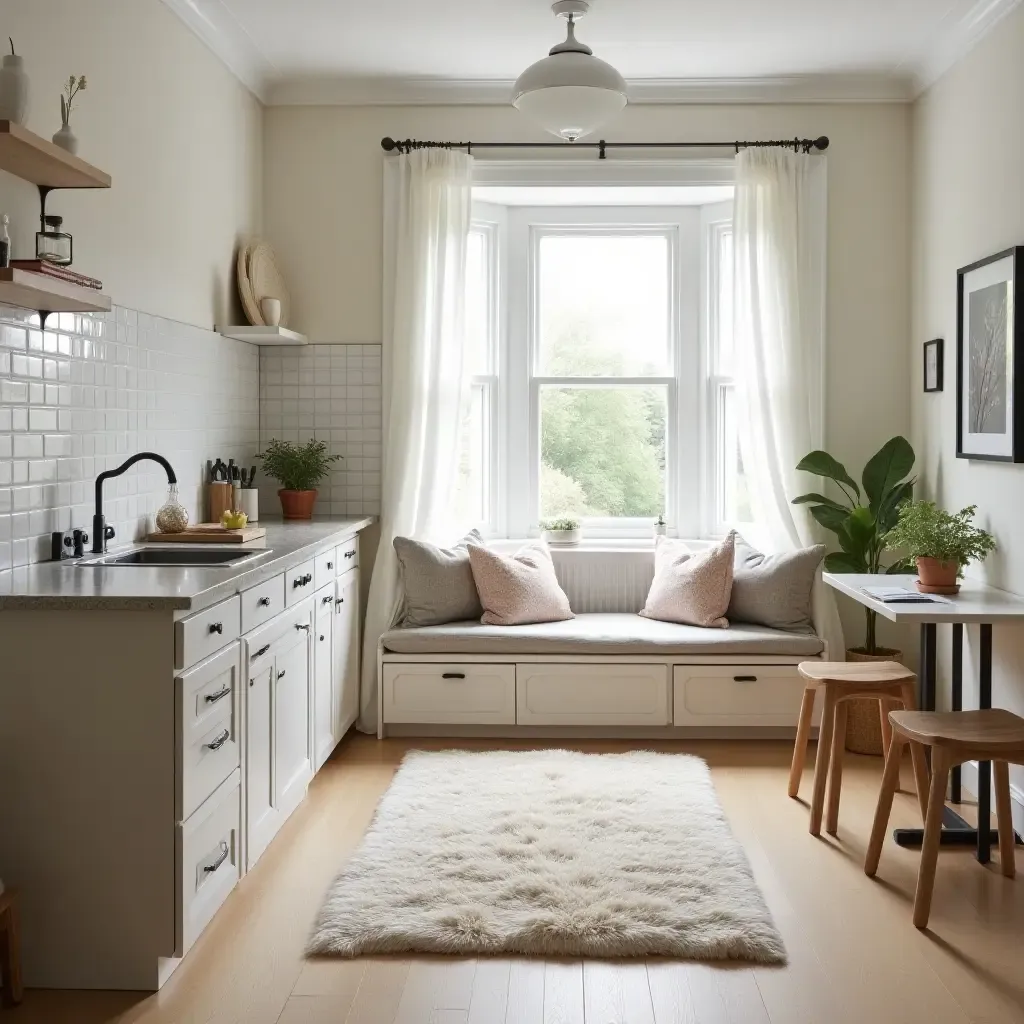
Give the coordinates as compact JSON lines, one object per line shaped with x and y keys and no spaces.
{"x":428,"y":50}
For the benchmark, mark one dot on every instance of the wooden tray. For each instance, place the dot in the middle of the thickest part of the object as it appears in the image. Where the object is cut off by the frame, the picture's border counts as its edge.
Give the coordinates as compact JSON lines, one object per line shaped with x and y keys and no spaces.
{"x":210,"y":533}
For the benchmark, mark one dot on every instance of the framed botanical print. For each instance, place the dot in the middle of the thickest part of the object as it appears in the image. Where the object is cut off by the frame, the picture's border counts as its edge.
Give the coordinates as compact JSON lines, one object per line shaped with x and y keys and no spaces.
{"x":933,"y":360}
{"x":990,"y":359}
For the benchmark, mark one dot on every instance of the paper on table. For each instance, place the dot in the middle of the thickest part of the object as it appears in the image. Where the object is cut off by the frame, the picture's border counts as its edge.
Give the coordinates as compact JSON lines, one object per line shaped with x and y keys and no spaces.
{"x":901,"y":595}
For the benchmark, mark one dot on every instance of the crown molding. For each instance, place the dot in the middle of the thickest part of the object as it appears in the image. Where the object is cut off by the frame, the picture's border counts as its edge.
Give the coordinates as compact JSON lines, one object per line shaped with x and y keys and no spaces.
{"x":218,"y":28}
{"x":956,"y":42}
{"x":390,"y":92}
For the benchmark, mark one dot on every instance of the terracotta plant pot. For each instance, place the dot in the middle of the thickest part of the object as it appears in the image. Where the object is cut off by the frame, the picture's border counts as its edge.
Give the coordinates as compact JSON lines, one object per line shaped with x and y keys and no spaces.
{"x":863,"y":721}
{"x":935,"y":577}
{"x":297,"y":504}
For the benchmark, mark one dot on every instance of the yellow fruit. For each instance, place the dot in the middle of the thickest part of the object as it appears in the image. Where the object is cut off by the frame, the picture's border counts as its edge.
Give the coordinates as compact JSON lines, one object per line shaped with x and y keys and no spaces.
{"x":234,"y":520}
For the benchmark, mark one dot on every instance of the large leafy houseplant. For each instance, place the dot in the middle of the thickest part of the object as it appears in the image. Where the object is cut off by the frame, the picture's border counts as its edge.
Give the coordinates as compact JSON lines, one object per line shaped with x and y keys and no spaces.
{"x":298,"y":468}
{"x":861,"y":519}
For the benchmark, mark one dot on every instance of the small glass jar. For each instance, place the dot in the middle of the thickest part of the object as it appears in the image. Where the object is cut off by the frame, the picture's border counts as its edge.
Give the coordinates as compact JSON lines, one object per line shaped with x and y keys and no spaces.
{"x":172,"y":516}
{"x":54,"y":245}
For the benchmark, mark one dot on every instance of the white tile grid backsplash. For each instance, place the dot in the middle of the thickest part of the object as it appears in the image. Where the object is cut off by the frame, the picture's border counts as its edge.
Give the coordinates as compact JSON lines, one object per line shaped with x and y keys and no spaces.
{"x":91,"y":390}
{"x":334,"y":393}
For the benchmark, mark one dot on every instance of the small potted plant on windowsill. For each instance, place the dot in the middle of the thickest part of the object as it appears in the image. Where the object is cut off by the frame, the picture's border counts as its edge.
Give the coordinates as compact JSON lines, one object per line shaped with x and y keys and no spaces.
{"x":940,"y":542}
{"x":298,"y":468}
{"x":564,"y":530}
{"x":660,"y":527}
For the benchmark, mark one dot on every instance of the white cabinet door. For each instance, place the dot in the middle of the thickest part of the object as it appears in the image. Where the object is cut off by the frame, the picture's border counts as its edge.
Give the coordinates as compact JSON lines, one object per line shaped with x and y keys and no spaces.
{"x":324,"y":739}
{"x":346,"y":654}
{"x":262,"y":819}
{"x":293,"y":756}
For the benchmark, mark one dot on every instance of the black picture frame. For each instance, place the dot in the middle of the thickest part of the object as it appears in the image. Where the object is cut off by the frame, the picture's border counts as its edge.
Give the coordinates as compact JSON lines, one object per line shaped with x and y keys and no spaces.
{"x":1014,"y":382}
{"x":938,"y":383}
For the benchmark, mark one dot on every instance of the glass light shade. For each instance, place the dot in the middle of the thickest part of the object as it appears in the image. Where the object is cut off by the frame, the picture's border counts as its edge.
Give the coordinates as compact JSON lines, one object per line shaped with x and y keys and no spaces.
{"x":570,"y":94}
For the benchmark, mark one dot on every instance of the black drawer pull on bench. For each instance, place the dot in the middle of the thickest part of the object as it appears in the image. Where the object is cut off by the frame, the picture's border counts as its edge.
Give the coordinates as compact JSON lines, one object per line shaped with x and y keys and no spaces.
{"x":453,"y":675}
{"x":744,"y":679}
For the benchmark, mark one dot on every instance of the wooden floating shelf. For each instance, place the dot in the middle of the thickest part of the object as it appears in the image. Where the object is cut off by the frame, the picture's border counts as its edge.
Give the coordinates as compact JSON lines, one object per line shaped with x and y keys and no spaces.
{"x":33,"y":158}
{"x":265,"y":335}
{"x":42,"y":293}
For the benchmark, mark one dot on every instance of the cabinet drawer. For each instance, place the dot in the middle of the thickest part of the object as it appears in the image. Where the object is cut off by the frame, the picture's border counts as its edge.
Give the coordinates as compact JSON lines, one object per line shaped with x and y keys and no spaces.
{"x":262,"y":603}
{"x":450,"y":694}
{"x":208,"y":745}
{"x":347,"y":555}
{"x":740,"y":695}
{"x":592,"y":695}
{"x":200,"y":635}
{"x":325,"y":568}
{"x":298,"y":583}
{"x":208,"y":862}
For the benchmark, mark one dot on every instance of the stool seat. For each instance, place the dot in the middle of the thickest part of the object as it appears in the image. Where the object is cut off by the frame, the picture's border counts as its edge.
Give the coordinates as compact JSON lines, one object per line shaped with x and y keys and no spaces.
{"x":953,"y":737}
{"x":863,"y":673}
{"x":991,"y":729}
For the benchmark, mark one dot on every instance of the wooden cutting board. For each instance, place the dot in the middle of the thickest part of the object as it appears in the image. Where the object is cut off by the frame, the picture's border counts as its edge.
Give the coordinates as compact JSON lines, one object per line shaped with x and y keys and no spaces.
{"x":210,"y":533}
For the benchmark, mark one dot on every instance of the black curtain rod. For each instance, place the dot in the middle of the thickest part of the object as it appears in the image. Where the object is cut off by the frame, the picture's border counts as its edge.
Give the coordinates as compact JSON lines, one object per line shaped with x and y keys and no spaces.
{"x":389,"y":145}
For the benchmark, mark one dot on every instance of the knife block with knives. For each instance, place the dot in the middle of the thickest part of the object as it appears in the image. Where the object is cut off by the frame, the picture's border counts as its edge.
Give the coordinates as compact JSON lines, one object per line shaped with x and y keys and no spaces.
{"x":230,"y":489}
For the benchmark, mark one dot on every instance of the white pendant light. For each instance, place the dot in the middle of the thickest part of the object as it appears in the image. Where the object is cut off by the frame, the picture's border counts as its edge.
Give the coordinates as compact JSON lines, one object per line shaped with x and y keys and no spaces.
{"x":570,"y":93}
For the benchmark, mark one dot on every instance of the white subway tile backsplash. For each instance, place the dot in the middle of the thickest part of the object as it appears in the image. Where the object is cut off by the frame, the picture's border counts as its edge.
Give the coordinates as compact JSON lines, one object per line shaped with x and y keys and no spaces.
{"x":83,"y":395}
{"x":334,"y":393}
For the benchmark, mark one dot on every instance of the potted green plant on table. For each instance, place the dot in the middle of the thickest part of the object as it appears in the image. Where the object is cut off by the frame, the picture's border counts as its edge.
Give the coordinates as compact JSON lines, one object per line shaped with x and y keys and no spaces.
{"x":298,"y":468}
{"x":941,"y":543}
{"x":564,"y":530}
{"x":860,"y":519}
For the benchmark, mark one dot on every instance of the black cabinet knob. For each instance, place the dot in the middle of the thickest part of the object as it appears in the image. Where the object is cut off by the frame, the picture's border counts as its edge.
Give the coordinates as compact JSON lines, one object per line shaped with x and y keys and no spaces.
{"x":264,"y":602}
{"x":217,"y":627}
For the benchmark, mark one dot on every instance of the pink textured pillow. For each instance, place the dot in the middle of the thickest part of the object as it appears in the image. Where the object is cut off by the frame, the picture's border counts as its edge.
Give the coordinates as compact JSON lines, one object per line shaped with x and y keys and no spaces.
{"x":520,"y":589}
{"x":688,"y":588}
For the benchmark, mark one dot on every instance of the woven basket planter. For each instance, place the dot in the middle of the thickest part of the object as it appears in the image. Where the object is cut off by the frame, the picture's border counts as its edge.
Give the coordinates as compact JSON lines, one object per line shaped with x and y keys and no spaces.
{"x":863,"y":724}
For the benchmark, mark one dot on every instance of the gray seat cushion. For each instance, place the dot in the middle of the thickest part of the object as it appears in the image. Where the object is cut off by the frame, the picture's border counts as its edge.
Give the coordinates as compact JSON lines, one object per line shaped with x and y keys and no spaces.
{"x":600,"y":633}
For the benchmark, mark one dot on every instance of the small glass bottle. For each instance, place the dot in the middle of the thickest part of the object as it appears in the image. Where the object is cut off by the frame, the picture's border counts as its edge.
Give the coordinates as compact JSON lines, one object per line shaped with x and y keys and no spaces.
{"x":172,"y":516}
{"x":54,"y":245}
{"x":5,"y":245}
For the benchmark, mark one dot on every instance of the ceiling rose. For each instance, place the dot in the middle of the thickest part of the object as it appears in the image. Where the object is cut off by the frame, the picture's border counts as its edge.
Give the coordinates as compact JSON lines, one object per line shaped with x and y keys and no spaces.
{"x":570,"y":93}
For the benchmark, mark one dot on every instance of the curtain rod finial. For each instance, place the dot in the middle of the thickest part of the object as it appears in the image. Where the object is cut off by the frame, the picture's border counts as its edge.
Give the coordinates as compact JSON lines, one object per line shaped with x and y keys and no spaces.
{"x":388,"y":144}
{"x":821,"y":143}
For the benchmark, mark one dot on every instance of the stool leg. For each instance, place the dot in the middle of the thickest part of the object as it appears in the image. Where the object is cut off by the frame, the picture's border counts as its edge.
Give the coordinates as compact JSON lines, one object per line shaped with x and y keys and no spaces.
{"x":1004,"y":817}
{"x":828,"y":719}
{"x":890,"y":781}
{"x":884,"y":707}
{"x":932,"y":836}
{"x":803,"y":734}
{"x":835,"y":771}
{"x":922,"y":779}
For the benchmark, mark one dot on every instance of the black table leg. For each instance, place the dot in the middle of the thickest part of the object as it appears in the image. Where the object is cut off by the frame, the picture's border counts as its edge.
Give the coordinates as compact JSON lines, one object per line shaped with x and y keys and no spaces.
{"x":985,"y":838}
{"x":957,"y":701}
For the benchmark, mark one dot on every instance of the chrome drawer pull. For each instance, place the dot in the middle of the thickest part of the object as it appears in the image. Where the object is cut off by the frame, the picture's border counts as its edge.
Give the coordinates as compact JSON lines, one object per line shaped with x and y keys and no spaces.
{"x":453,"y":675}
{"x":350,"y":554}
{"x":281,"y":674}
{"x":212,"y":698}
{"x":217,"y":627}
{"x":339,"y":601}
{"x":330,"y":565}
{"x":326,"y":600}
{"x":224,"y":851}
{"x":219,"y":741}
{"x":263,"y":650}
{"x":302,"y":625}
{"x":744,"y":679}
{"x":264,"y":602}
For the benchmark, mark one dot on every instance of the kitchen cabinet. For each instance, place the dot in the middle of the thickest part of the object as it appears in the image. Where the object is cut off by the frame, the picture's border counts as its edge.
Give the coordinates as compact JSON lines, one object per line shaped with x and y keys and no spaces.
{"x":345,"y":652}
{"x":324,"y":717}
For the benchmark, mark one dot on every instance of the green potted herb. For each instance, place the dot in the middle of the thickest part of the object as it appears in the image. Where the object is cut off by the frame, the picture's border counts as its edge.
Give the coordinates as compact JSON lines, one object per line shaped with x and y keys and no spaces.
{"x":941,"y":543}
{"x":564,"y":530}
{"x":660,"y":527}
{"x":298,"y":468}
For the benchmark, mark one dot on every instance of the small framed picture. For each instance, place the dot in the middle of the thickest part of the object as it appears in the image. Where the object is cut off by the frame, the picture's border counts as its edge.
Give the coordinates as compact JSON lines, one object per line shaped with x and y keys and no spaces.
{"x":990,"y":359}
{"x":933,"y":362}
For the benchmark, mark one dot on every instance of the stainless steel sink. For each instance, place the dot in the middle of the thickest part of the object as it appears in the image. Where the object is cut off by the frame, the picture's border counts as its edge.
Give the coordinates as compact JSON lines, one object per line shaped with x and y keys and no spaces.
{"x":179,"y":556}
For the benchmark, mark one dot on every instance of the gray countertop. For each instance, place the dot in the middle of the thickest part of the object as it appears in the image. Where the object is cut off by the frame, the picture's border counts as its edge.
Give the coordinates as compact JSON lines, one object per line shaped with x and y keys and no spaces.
{"x":69,"y":586}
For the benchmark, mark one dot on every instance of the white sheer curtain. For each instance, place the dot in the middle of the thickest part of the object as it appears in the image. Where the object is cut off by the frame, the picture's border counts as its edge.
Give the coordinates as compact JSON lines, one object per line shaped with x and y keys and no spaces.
{"x":427,"y":214}
{"x":778,"y":235}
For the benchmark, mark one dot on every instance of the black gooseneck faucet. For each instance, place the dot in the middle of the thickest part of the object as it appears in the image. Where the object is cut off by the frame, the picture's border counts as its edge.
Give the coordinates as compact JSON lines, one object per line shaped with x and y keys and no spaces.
{"x":101,"y":533}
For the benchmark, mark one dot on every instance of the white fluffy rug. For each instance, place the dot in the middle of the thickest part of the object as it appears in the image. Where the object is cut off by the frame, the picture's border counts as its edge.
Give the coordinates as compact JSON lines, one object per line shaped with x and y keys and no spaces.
{"x":549,"y":853}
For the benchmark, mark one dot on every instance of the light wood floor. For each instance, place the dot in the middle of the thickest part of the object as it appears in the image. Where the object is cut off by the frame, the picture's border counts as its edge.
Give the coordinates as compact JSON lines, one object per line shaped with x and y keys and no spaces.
{"x":854,"y":955}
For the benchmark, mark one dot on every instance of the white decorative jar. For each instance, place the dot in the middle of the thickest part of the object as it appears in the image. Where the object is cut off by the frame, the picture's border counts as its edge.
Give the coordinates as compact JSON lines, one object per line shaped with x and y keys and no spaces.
{"x":271,"y":310}
{"x":660,"y":530}
{"x":13,"y":89}
{"x":66,"y":139}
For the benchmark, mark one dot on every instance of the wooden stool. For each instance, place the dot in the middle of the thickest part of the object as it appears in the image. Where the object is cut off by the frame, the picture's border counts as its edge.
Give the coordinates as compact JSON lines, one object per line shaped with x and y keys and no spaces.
{"x":10,"y":950}
{"x":954,"y":737}
{"x":886,"y":681}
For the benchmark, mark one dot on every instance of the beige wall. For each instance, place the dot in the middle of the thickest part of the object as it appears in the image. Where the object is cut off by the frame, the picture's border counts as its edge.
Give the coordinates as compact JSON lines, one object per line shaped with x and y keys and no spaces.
{"x":968,"y":188}
{"x":176,"y":130}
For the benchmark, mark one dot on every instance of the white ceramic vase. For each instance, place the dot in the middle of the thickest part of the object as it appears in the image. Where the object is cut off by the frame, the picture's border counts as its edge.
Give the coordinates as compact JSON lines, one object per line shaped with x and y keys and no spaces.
{"x":66,"y":139}
{"x":660,"y":530}
{"x":271,"y":310}
{"x":13,"y":89}
{"x":563,"y":537}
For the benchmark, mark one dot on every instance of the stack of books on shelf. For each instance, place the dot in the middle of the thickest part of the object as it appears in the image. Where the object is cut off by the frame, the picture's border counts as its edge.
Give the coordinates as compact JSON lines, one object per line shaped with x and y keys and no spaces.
{"x":55,"y":270}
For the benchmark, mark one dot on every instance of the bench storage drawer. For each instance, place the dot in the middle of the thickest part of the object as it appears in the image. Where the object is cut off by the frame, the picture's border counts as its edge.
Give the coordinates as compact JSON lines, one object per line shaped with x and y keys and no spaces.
{"x":739,"y":695}
{"x":619,"y":694}
{"x":455,"y":694}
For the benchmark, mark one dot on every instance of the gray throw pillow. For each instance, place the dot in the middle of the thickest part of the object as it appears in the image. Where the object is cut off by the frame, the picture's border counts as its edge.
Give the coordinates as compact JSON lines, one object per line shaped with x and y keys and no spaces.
{"x":774,"y":590}
{"x":438,"y":582}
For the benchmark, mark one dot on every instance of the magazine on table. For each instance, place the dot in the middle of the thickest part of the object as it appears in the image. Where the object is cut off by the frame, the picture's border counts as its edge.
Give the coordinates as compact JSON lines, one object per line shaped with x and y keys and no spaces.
{"x":903,"y":595}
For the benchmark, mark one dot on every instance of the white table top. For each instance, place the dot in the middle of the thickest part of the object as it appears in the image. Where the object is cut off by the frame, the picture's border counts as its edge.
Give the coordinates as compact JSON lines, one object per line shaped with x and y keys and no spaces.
{"x":976,"y":602}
